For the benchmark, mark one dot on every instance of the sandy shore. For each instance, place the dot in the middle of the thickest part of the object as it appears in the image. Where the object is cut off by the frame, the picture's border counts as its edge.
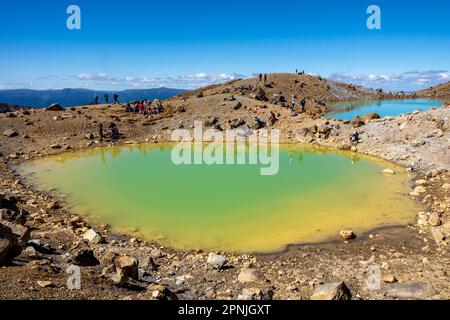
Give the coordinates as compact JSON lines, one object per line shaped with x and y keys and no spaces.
{"x":413,"y":259}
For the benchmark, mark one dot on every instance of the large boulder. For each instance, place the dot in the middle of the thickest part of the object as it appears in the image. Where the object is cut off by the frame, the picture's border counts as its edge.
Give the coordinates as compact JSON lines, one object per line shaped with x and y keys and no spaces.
{"x":261,"y":95}
{"x":371,"y":116}
{"x":9,"y":245}
{"x":128,"y":266}
{"x":55,"y":107}
{"x":21,"y":232}
{"x":85,"y":258}
{"x":357,"y":122}
{"x":278,"y":98}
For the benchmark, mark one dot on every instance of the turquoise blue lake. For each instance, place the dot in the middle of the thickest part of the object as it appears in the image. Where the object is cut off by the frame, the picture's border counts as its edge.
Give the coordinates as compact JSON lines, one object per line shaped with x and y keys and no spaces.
{"x":347,"y":110}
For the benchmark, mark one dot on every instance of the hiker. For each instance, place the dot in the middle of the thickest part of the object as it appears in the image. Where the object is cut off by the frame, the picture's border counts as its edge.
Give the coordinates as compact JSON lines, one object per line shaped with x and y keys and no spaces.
{"x":355,"y":137}
{"x":116,"y":98}
{"x":128,"y":107}
{"x":259,"y":123}
{"x":96,"y":99}
{"x":159,"y":107}
{"x":260,"y":77}
{"x":296,"y":71}
{"x":272,"y":118}
{"x":100,"y":132}
{"x":293,"y":102}
{"x":106,"y":98}
{"x":302,"y":104}
{"x":265,"y":78}
{"x":114,"y":131}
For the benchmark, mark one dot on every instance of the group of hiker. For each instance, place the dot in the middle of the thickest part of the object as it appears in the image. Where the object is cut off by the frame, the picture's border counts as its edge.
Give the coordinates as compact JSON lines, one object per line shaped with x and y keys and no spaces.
{"x":258,"y":123}
{"x":302,"y":105}
{"x":262,"y":76}
{"x":145,"y":107}
{"x":106,"y":96}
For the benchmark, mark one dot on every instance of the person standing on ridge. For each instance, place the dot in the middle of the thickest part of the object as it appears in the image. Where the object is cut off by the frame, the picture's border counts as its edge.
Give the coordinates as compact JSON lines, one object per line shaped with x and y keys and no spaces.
{"x":106,"y":98}
{"x":96,"y":99}
{"x":265,"y":78}
{"x":292,"y":102}
{"x":116,"y":98}
{"x":260,"y":77}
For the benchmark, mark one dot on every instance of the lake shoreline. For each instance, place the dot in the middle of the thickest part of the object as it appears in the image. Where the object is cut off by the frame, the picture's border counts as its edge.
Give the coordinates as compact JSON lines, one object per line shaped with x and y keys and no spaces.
{"x":291,"y":274}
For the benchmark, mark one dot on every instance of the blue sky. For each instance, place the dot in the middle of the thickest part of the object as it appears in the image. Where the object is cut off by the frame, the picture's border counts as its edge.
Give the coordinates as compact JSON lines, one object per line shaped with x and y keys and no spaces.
{"x":152,"y":43}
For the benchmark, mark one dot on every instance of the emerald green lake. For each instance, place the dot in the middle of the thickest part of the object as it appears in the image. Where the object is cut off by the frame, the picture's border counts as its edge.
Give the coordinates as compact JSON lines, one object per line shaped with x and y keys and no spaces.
{"x":139,"y":191}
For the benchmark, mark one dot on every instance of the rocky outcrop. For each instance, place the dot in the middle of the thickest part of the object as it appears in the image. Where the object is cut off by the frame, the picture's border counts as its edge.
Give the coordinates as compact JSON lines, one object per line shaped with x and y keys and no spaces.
{"x":9,"y":245}
{"x":55,"y":107}
{"x":332,"y":291}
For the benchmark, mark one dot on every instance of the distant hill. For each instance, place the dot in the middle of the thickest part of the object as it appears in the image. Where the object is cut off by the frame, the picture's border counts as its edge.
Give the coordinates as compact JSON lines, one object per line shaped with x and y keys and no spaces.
{"x":440,"y":91}
{"x":76,"y":97}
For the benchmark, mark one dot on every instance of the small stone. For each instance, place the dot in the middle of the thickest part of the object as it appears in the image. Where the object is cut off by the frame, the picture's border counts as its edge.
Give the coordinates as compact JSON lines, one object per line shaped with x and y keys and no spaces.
{"x":10,"y":133}
{"x":217,"y":261}
{"x":237,"y":105}
{"x":420,"y":182}
{"x":53,"y":205}
{"x":347,"y":235}
{"x":389,"y":278}
{"x":446,"y":186}
{"x":332,"y":291}
{"x":92,"y":237}
{"x":156,"y":253}
{"x":434,"y":220}
{"x":45,"y":284}
{"x":418,"y":191}
{"x":250,"y":275}
{"x":255,"y":294}
{"x":161,"y":292}
{"x":55,"y":146}
{"x":388,"y":171}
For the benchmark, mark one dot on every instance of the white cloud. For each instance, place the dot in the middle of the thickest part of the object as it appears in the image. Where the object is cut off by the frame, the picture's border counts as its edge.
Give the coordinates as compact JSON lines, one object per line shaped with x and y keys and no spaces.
{"x":409,"y":80}
{"x":188,"y":81}
{"x":91,"y":76}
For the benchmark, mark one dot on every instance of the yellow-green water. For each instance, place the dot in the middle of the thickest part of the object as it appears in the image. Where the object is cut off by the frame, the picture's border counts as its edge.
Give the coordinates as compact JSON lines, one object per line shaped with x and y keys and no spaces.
{"x":316,"y":193}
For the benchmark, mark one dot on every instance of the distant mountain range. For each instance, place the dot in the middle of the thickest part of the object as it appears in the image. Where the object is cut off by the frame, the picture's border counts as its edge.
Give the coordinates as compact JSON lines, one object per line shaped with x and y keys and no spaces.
{"x":76,"y":97}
